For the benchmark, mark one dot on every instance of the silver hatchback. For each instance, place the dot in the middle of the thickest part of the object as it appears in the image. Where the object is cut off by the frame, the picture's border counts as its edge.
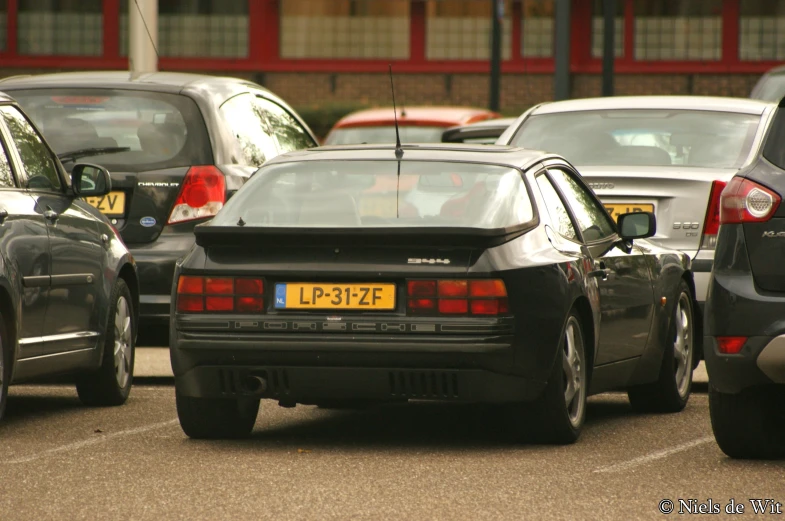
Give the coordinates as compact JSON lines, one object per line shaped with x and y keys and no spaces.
{"x":671,"y":155}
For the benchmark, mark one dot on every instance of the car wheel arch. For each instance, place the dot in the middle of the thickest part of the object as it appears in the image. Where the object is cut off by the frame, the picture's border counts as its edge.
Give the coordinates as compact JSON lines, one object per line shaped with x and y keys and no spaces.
{"x":586,"y":314}
{"x":8,"y":312}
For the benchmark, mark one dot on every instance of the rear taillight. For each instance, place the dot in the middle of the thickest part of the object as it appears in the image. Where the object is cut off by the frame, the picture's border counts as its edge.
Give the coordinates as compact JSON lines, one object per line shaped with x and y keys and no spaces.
{"x":730,"y":345}
{"x":219,"y":295}
{"x":745,"y":201}
{"x":456,"y":297}
{"x":711,"y":224}
{"x":202,"y":194}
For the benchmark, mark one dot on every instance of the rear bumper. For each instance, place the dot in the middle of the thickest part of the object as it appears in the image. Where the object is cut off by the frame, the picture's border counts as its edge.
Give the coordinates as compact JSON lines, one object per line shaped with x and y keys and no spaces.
{"x":155,"y":264}
{"x":312,"y":368}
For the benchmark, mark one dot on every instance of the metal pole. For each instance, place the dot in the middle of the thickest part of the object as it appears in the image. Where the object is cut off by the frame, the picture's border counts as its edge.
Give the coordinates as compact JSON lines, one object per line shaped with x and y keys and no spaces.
{"x":496,"y":53}
{"x":608,"y":47}
{"x":561,"y":80}
{"x":142,"y":36}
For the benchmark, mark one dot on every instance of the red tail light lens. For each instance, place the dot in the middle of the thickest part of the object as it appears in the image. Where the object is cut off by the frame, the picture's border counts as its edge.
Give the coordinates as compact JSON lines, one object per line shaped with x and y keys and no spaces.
{"x":202,"y":194}
{"x":219,"y":294}
{"x":711,"y":224}
{"x":730,"y":345}
{"x":745,"y":201}
{"x":457,"y":297}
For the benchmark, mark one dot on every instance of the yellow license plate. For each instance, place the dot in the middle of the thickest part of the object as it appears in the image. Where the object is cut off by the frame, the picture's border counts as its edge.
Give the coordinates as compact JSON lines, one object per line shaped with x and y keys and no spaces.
{"x":618,"y":209}
{"x":335,"y":296}
{"x":378,"y":207}
{"x":112,"y":203}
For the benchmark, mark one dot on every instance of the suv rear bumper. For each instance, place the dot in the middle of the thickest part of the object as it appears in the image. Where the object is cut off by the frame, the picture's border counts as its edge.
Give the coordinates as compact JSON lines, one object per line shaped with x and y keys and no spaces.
{"x":308,"y":368}
{"x":760,"y":362}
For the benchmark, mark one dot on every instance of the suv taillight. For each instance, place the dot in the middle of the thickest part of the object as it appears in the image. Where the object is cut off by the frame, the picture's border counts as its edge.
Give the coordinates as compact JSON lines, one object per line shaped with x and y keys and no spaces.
{"x":202,"y":194}
{"x":745,"y":201}
{"x":711,"y":224}
{"x":219,"y":294}
{"x":482,"y":297}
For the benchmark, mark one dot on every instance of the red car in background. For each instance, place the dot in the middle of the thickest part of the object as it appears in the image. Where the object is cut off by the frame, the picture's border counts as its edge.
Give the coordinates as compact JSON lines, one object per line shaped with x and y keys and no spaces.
{"x":416,"y":124}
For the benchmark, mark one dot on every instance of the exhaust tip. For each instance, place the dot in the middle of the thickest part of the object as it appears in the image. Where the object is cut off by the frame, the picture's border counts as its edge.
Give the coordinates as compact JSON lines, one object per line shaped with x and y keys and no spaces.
{"x":255,"y":384}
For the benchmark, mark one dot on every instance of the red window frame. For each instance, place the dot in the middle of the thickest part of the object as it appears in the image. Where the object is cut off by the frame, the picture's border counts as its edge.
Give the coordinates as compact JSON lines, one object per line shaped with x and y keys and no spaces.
{"x":264,"y":53}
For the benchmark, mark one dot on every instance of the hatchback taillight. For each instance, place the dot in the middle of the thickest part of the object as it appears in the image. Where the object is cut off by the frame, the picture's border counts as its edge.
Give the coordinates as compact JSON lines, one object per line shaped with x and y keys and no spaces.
{"x":745,"y":201}
{"x":457,"y":297}
{"x":220,"y":295}
{"x":202,"y":194}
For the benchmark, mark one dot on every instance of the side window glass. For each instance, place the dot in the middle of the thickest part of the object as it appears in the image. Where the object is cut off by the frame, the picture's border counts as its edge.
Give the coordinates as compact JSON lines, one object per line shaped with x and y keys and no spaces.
{"x":592,"y":218}
{"x":249,"y":126}
{"x":560,"y":218}
{"x":290,"y":135}
{"x":37,"y":160}
{"x":6,"y":176}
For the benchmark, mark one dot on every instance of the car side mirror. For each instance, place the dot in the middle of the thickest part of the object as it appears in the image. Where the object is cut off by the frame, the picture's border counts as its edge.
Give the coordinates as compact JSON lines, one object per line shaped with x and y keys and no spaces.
{"x":89,"y":180}
{"x":637,"y":225}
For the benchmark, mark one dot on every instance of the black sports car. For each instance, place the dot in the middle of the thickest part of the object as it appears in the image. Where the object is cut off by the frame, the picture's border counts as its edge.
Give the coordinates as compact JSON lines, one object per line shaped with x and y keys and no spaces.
{"x":469,"y":273}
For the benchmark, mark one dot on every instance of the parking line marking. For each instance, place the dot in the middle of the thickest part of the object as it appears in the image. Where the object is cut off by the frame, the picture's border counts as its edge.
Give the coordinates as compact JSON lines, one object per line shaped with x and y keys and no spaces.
{"x":92,"y":441}
{"x":654,"y":456}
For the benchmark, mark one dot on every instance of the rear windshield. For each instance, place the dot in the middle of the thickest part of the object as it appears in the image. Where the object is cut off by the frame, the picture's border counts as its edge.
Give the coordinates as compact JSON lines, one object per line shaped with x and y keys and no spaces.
{"x":646,"y":137}
{"x":160,"y":130}
{"x":384,"y":135}
{"x":357,"y":194}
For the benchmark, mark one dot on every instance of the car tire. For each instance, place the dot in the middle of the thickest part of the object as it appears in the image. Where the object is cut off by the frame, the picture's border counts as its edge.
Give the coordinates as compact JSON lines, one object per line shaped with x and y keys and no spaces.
{"x":216,"y":418}
{"x":750,"y":424}
{"x":555,"y":417}
{"x":111,"y":383}
{"x":671,"y":391}
{"x":5,"y":366}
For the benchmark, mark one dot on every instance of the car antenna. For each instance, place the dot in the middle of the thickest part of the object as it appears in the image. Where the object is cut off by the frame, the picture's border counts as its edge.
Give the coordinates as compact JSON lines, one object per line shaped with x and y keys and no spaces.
{"x":398,"y":149}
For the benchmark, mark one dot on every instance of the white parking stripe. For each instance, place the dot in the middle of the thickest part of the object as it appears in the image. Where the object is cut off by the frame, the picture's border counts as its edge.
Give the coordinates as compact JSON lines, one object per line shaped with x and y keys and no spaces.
{"x":92,"y":441}
{"x":625,"y":465}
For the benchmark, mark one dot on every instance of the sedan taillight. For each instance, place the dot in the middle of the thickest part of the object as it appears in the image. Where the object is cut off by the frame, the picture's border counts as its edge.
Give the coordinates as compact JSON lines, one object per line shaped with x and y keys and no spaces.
{"x":451,"y":297}
{"x":219,"y":295}
{"x":203,"y":193}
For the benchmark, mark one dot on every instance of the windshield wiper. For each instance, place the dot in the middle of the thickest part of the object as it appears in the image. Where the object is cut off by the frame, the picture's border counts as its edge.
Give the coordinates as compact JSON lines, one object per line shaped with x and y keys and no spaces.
{"x":87,"y":152}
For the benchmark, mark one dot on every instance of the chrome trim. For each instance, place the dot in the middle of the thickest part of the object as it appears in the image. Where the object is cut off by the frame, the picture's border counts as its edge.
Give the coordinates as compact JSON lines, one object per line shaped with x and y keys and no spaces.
{"x":73,"y":279}
{"x":771,"y":359}
{"x":155,"y":299}
{"x":36,"y":281}
{"x":57,"y":338}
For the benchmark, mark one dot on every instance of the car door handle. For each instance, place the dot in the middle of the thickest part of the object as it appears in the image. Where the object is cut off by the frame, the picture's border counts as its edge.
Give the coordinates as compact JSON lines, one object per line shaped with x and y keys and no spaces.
{"x":602,"y":273}
{"x":3,"y":215}
{"x":51,"y":215}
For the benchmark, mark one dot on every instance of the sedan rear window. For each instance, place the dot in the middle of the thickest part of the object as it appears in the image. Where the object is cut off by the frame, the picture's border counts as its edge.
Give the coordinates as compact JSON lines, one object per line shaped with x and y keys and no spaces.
{"x":646,"y":137}
{"x":384,"y":135}
{"x":356,"y":194}
{"x":137,"y":130}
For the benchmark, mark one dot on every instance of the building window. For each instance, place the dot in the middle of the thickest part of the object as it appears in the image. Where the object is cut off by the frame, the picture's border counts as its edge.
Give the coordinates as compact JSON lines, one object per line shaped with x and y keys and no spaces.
{"x":678,"y":29}
{"x":197,"y":28}
{"x":762,"y":30}
{"x":537,"y":29}
{"x":598,"y":28}
{"x":345,"y":29}
{"x":60,"y":27}
{"x":3,"y":24}
{"x":461,"y":30}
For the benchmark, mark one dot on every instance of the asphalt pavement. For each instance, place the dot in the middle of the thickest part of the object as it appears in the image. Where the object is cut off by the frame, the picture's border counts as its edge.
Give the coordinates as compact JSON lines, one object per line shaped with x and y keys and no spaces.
{"x":60,"y":460}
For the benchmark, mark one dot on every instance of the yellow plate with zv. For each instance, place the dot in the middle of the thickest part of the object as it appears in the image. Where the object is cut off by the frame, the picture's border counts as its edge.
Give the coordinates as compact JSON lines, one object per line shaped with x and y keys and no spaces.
{"x":339,"y":296}
{"x":112,"y":203}
{"x":621,"y":208}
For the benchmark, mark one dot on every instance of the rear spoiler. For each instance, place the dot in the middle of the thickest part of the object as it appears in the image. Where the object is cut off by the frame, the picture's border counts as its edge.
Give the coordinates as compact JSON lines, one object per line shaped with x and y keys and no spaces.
{"x":208,"y":236}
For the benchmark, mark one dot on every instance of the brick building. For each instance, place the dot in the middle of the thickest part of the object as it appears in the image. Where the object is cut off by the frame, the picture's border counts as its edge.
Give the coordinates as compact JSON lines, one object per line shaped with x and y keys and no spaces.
{"x":321,"y":51}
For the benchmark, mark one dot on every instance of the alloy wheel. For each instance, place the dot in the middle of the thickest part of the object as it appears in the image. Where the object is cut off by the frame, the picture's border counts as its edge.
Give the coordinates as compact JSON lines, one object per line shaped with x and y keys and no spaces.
{"x":682,"y":345}
{"x":572,"y":363}
{"x":122,"y":342}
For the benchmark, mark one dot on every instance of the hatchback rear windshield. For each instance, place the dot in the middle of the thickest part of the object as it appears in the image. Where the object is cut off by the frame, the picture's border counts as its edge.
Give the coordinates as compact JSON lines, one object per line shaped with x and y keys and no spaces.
{"x":384,"y":135}
{"x":159,"y":130}
{"x":645,"y":137}
{"x":357,"y":194}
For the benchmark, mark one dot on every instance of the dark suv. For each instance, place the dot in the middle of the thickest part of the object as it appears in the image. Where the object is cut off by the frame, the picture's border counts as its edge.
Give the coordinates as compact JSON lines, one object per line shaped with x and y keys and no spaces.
{"x":745,"y":307}
{"x":177,"y":146}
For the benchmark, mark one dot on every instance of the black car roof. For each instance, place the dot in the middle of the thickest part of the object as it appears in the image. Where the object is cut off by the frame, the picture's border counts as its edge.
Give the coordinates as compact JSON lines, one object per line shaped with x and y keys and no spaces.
{"x":504,"y":155}
{"x":155,"y":81}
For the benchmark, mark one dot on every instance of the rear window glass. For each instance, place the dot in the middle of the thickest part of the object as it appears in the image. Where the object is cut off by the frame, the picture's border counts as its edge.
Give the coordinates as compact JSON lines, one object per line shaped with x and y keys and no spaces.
{"x":384,"y":135}
{"x":159,"y":130}
{"x":356,"y":194}
{"x":647,"y":137}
